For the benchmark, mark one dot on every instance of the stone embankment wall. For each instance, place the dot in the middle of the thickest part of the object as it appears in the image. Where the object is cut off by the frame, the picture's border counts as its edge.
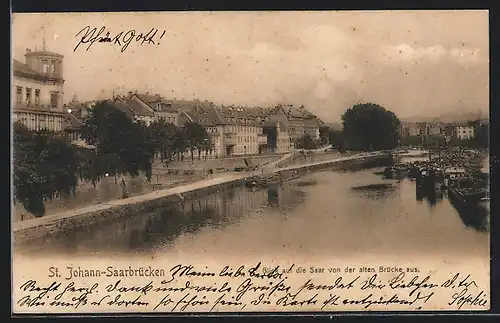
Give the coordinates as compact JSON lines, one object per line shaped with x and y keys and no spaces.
{"x":85,"y":219}
{"x":107,"y":190}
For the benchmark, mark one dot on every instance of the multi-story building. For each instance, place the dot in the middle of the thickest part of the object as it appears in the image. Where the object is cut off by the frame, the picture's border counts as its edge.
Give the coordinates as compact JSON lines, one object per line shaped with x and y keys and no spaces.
{"x":165,"y":109}
{"x":298,"y":121}
{"x":433,"y":129}
{"x":134,"y":109}
{"x":233,"y":130}
{"x":464,"y":131}
{"x":205,"y":114}
{"x":278,"y":140}
{"x":37,"y":91}
{"x":409,"y":129}
{"x":243,"y":131}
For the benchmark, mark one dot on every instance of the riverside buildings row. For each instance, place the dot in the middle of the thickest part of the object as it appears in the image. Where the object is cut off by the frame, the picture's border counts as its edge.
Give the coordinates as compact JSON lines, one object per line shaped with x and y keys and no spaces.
{"x":460,"y":131}
{"x":234,"y":130}
{"x":38,"y":91}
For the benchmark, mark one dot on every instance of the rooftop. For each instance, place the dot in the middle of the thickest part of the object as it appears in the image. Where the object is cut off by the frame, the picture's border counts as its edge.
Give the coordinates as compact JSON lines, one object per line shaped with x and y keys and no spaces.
{"x":136,"y":107}
{"x":43,"y":53}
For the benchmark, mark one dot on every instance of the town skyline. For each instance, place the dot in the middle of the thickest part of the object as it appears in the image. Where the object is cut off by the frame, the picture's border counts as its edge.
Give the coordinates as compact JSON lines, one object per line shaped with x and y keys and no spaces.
{"x":327,"y":61}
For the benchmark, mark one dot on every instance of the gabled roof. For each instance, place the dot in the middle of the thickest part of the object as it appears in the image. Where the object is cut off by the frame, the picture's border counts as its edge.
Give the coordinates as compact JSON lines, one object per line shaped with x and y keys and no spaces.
{"x":77,"y":109}
{"x":71,"y":122}
{"x":243,"y":115}
{"x":20,"y":67}
{"x":204,"y":113}
{"x":148,"y":98}
{"x":135,"y":107}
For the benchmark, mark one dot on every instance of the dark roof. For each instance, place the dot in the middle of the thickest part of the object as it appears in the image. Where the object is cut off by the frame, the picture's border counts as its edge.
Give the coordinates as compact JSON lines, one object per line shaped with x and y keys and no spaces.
{"x":122,"y":106}
{"x":24,"y":68}
{"x":71,"y":122}
{"x":148,"y":98}
{"x":136,"y":107}
{"x":243,"y":115}
{"x":43,"y":53}
{"x":77,"y":109}
{"x":204,"y":113}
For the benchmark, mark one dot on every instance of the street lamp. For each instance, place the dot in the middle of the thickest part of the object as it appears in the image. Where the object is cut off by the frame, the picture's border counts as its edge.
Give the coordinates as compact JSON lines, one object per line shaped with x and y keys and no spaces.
{"x":69,"y":110}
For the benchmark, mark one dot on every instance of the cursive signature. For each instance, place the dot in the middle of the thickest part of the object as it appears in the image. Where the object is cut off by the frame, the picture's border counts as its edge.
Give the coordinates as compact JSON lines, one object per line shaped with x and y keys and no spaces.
{"x":89,"y":36}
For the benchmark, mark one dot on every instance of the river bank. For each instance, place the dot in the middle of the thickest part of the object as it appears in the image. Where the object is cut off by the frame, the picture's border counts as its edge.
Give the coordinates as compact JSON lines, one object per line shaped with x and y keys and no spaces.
{"x":38,"y":227}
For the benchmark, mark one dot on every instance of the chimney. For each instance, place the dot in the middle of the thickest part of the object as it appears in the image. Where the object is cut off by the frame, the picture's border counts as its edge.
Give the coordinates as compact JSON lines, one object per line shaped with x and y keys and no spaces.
{"x":130,"y":93}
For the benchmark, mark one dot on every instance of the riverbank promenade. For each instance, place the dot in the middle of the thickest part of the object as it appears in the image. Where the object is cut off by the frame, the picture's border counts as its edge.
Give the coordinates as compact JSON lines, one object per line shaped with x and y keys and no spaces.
{"x":218,"y":179}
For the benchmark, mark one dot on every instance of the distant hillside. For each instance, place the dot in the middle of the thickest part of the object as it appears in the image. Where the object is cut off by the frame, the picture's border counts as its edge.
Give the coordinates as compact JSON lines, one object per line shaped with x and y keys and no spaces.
{"x":448,"y":117}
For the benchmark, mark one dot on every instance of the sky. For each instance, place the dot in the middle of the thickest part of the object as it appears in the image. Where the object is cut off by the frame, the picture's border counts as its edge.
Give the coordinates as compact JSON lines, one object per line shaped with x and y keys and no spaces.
{"x":414,"y":63}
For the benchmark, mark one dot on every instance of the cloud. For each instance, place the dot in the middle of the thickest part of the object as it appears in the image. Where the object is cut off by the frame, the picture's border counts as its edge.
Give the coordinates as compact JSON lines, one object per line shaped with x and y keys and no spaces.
{"x":405,"y":52}
{"x":327,"y":61}
{"x":465,"y":54}
{"x":435,"y":53}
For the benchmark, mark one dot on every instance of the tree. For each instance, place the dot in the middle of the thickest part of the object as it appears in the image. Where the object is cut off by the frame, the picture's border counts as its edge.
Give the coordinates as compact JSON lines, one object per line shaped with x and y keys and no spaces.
{"x":180,"y":143}
{"x":197,"y":138}
{"x":306,"y":142}
{"x":369,"y":126}
{"x":45,"y":166}
{"x":335,"y":138}
{"x":163,"y":135}
{"x":324,"y":135}
{"x":121,"y":145}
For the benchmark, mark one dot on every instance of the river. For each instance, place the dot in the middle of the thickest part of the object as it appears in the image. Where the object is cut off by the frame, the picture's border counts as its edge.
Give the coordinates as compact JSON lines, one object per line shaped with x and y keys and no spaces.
{"x":323,"y":213}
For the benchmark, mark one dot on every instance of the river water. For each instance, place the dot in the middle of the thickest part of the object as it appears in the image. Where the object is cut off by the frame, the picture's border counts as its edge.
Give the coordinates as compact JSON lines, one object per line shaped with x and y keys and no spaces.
{"x":328,"y":212}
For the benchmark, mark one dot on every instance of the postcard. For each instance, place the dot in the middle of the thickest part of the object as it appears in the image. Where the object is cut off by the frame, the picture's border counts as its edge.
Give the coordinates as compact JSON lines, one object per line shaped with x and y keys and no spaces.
{"x":229,"y":162}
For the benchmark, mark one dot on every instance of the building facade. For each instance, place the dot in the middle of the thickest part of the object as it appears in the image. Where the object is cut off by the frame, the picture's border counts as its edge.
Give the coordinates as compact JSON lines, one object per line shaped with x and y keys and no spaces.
{"x":162,"y":109}
{"x":298,"y":121}
{"x":277,"y":137}
{"x":134,"y":109}
{"x":38,"y":91}
{"x":243,"y":130}
{"x":464,"y":132}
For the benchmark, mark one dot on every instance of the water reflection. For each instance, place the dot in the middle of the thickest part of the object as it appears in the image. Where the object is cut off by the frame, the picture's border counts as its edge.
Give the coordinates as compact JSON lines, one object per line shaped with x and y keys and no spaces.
{"x":474,"y":216}
{"x":161,"y":228}
{"x":375,"y":191}
{"x":432,"y":196}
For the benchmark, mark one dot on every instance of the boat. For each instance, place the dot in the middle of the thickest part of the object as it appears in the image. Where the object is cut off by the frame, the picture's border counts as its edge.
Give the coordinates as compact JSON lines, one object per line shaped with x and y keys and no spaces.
{"x":266,"y":180}
{"x":467,"y":190}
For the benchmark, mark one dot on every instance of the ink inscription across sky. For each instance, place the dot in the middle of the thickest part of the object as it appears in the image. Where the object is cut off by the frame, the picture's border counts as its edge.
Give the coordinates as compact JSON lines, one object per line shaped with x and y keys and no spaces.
{"x":186,"y":288}
{"x":88,"y":36}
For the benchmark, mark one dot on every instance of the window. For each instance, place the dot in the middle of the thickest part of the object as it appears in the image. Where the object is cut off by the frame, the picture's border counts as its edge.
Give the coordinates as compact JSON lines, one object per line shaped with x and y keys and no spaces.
{"x":54,"y":99}
{"x":53,"y":66}
{"x":45,"y":66}
{"x":28,"y":96}
{"x":19,"y":94}
{"x":37,"y":97}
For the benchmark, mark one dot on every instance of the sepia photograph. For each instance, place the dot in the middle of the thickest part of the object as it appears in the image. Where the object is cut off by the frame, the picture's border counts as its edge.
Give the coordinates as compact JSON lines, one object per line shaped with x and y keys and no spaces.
{"x":253,"y":161}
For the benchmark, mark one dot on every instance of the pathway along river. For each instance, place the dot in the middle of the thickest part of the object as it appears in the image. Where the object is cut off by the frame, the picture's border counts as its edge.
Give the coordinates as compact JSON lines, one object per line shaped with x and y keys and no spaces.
{"x":327,"y":212}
